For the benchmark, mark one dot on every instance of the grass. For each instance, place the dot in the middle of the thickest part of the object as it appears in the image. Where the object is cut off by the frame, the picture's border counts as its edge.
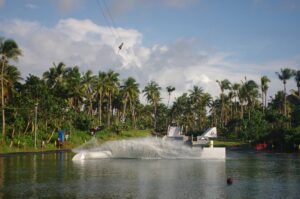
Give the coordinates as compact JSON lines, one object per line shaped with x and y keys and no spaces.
{"x":75,"y":139}
{"x":228,"y":143}
{"x":78,"y":138}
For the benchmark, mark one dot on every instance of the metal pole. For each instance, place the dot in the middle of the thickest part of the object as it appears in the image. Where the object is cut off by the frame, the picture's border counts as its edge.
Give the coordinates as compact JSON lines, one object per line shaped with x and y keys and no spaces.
{"x":35,"y":125}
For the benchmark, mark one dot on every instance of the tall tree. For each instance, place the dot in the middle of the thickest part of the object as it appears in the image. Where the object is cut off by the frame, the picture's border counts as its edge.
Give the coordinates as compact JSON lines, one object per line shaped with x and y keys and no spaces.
{"x":196,"y":99}
{"x":152,"y":93}
{"x":54,"y":77}
{"x":130,"y":93}
{"x":100,"y":92}
{"x":224,"y":85}
{"x":264,"y":80}
{"x":170,"y":89}
{"x":248,"y":93}
{"x":9,"y":50}
{"x":73,"y":87}
{"x":297,"y":79}
{"x":284,"y":75}
{"x":88,"y":82}
{"x":235,"y":89}
{"x":112,"y":86}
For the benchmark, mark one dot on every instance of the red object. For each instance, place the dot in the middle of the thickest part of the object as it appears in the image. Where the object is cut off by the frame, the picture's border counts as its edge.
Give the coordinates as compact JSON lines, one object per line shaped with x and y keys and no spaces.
{"x":261,"y":146}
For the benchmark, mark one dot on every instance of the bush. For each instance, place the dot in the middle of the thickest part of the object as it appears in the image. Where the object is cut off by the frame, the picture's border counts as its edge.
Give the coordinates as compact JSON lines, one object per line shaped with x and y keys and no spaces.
{"x":83,"y":122}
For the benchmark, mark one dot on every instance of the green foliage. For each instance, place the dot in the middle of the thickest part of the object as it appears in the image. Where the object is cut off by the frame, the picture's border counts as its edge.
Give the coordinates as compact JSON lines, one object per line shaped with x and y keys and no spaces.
{"x":83,"y":122}
{"x":69,"y":99}
{"x":255,"y":128}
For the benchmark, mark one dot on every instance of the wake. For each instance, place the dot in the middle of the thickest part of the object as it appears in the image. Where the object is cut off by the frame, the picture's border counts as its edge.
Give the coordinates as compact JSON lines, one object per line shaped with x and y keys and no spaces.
{"x":139,"y":148}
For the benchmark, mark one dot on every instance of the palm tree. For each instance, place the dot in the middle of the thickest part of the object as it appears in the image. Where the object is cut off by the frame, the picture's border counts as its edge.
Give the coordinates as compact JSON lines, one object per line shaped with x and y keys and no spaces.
{"x":284,"y":75}
{"x":196,"y":98}
{"x":264,"y":80}
{"x":54,"y":77}
{"x":181,"y":110}
{"x":297,"y":79}
{"x":249,"y":91}
{"x":11,"y":76}
{"x":9,"y":49}
{"x":130,"y":93}
{"x":73,"y":88}
{"x":112,"y":86}
{"x":170,"y":89}
{"x":224,"y":85}
{"x":152,"y":93}
{"x":100,"y":92}
{"x":88,"y":81}
{"x":235,"y":89}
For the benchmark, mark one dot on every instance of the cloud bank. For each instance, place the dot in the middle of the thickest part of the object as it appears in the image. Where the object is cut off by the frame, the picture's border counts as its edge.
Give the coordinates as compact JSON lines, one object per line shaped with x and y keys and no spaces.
{"x":181,"y":63}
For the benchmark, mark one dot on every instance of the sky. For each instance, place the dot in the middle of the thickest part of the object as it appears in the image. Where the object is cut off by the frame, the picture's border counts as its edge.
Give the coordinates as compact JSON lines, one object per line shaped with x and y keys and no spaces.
{"x":181,"y":43}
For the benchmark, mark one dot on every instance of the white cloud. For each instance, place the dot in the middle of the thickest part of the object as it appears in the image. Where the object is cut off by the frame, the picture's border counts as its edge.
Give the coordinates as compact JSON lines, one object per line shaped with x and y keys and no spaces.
{"x":182,"y":63}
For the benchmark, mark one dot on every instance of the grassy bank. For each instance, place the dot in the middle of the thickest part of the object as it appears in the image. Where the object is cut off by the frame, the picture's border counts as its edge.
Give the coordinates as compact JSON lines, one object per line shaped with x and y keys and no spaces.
{"x":229,"y":143}
{"x":76,"y":138}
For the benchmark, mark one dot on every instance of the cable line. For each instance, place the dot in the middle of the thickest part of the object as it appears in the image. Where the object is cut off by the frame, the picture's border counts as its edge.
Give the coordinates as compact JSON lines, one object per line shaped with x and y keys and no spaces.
{"x":109,"y":21}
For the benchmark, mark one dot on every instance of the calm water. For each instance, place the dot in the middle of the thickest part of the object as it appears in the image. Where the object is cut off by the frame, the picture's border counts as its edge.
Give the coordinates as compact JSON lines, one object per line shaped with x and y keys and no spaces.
{"x":255,"y":175}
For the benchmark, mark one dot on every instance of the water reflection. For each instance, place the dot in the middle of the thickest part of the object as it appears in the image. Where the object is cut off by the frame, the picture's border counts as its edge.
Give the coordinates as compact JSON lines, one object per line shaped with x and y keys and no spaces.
{"x":151,"y":178}
{"x":255,"y":175}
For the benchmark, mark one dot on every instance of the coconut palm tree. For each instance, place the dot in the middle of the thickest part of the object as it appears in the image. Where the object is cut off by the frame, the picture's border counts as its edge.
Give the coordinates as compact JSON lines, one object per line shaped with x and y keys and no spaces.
{"x":224,"y":85}
{"x":235,"y":90}
{"x":112,"y":87}
{"x":130,"y":92}
{"x":73,"y":87}
{"x":9,"y":50}
{"x":249,"y":90}
{"x":101,"y":79}
{"x":170,"y":89}
{"x":297,"y":79}
{"x":11,"y":76}
{"x":264,"y":80}
{"x":152,"y":93}
{"x":196,"y":98}
{"x":88,"y":82}
{"x":54,"y":77}
{"x":284,"y":75}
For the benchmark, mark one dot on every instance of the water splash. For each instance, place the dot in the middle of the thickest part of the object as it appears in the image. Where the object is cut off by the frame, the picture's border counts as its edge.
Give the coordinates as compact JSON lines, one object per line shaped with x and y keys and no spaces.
{"x":140,"y":148}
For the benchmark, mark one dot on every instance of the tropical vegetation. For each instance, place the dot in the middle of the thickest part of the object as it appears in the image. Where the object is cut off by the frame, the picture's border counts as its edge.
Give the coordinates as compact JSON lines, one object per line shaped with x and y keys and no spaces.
{"x":67,"y":98}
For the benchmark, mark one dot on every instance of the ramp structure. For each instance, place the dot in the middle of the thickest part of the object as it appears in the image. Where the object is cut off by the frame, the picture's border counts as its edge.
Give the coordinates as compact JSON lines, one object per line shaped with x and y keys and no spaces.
{"x":174,"y":131}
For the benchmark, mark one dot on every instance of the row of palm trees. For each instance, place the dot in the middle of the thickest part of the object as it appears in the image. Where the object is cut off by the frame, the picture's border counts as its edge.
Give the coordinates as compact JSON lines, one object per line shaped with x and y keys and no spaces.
{"x":64,"y":91}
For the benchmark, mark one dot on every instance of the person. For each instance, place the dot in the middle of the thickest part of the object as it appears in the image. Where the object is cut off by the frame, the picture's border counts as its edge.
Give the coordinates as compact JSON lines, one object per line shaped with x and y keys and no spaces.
{"x":67,"y":136}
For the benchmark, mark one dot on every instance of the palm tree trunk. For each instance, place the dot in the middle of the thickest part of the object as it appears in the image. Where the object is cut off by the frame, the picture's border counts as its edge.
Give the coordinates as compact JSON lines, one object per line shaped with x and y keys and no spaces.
{"x":110,"y":110}
{"x":155,"y":109}
{"x":262,"y":100}
{"x":266,"y":98}
{"x":284,"y":99}
{"x":124,"y":109}
{"x":2,"y":100}
{"x":132,"y":114}
{"x":169,"y":100}
{"x":100,"y":109}
{"x":242,"y":111}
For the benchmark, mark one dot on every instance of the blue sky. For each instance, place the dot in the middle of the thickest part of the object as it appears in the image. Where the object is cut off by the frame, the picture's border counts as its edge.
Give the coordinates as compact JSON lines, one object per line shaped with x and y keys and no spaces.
{"x":173,"y":42}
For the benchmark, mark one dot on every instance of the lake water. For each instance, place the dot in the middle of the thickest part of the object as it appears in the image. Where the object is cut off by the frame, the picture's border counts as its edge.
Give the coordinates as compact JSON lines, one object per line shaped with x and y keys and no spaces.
{"x":55,"y":175}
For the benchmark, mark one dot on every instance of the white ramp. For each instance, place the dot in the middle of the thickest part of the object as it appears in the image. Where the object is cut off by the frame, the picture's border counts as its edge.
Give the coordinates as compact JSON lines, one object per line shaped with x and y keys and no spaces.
{"x":174,"y":131}
{"x":210,"y":133}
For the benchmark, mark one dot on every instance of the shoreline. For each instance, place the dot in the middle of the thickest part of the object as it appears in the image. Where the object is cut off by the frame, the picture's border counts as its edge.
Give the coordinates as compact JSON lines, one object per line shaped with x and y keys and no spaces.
{"x":10,"y":154}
